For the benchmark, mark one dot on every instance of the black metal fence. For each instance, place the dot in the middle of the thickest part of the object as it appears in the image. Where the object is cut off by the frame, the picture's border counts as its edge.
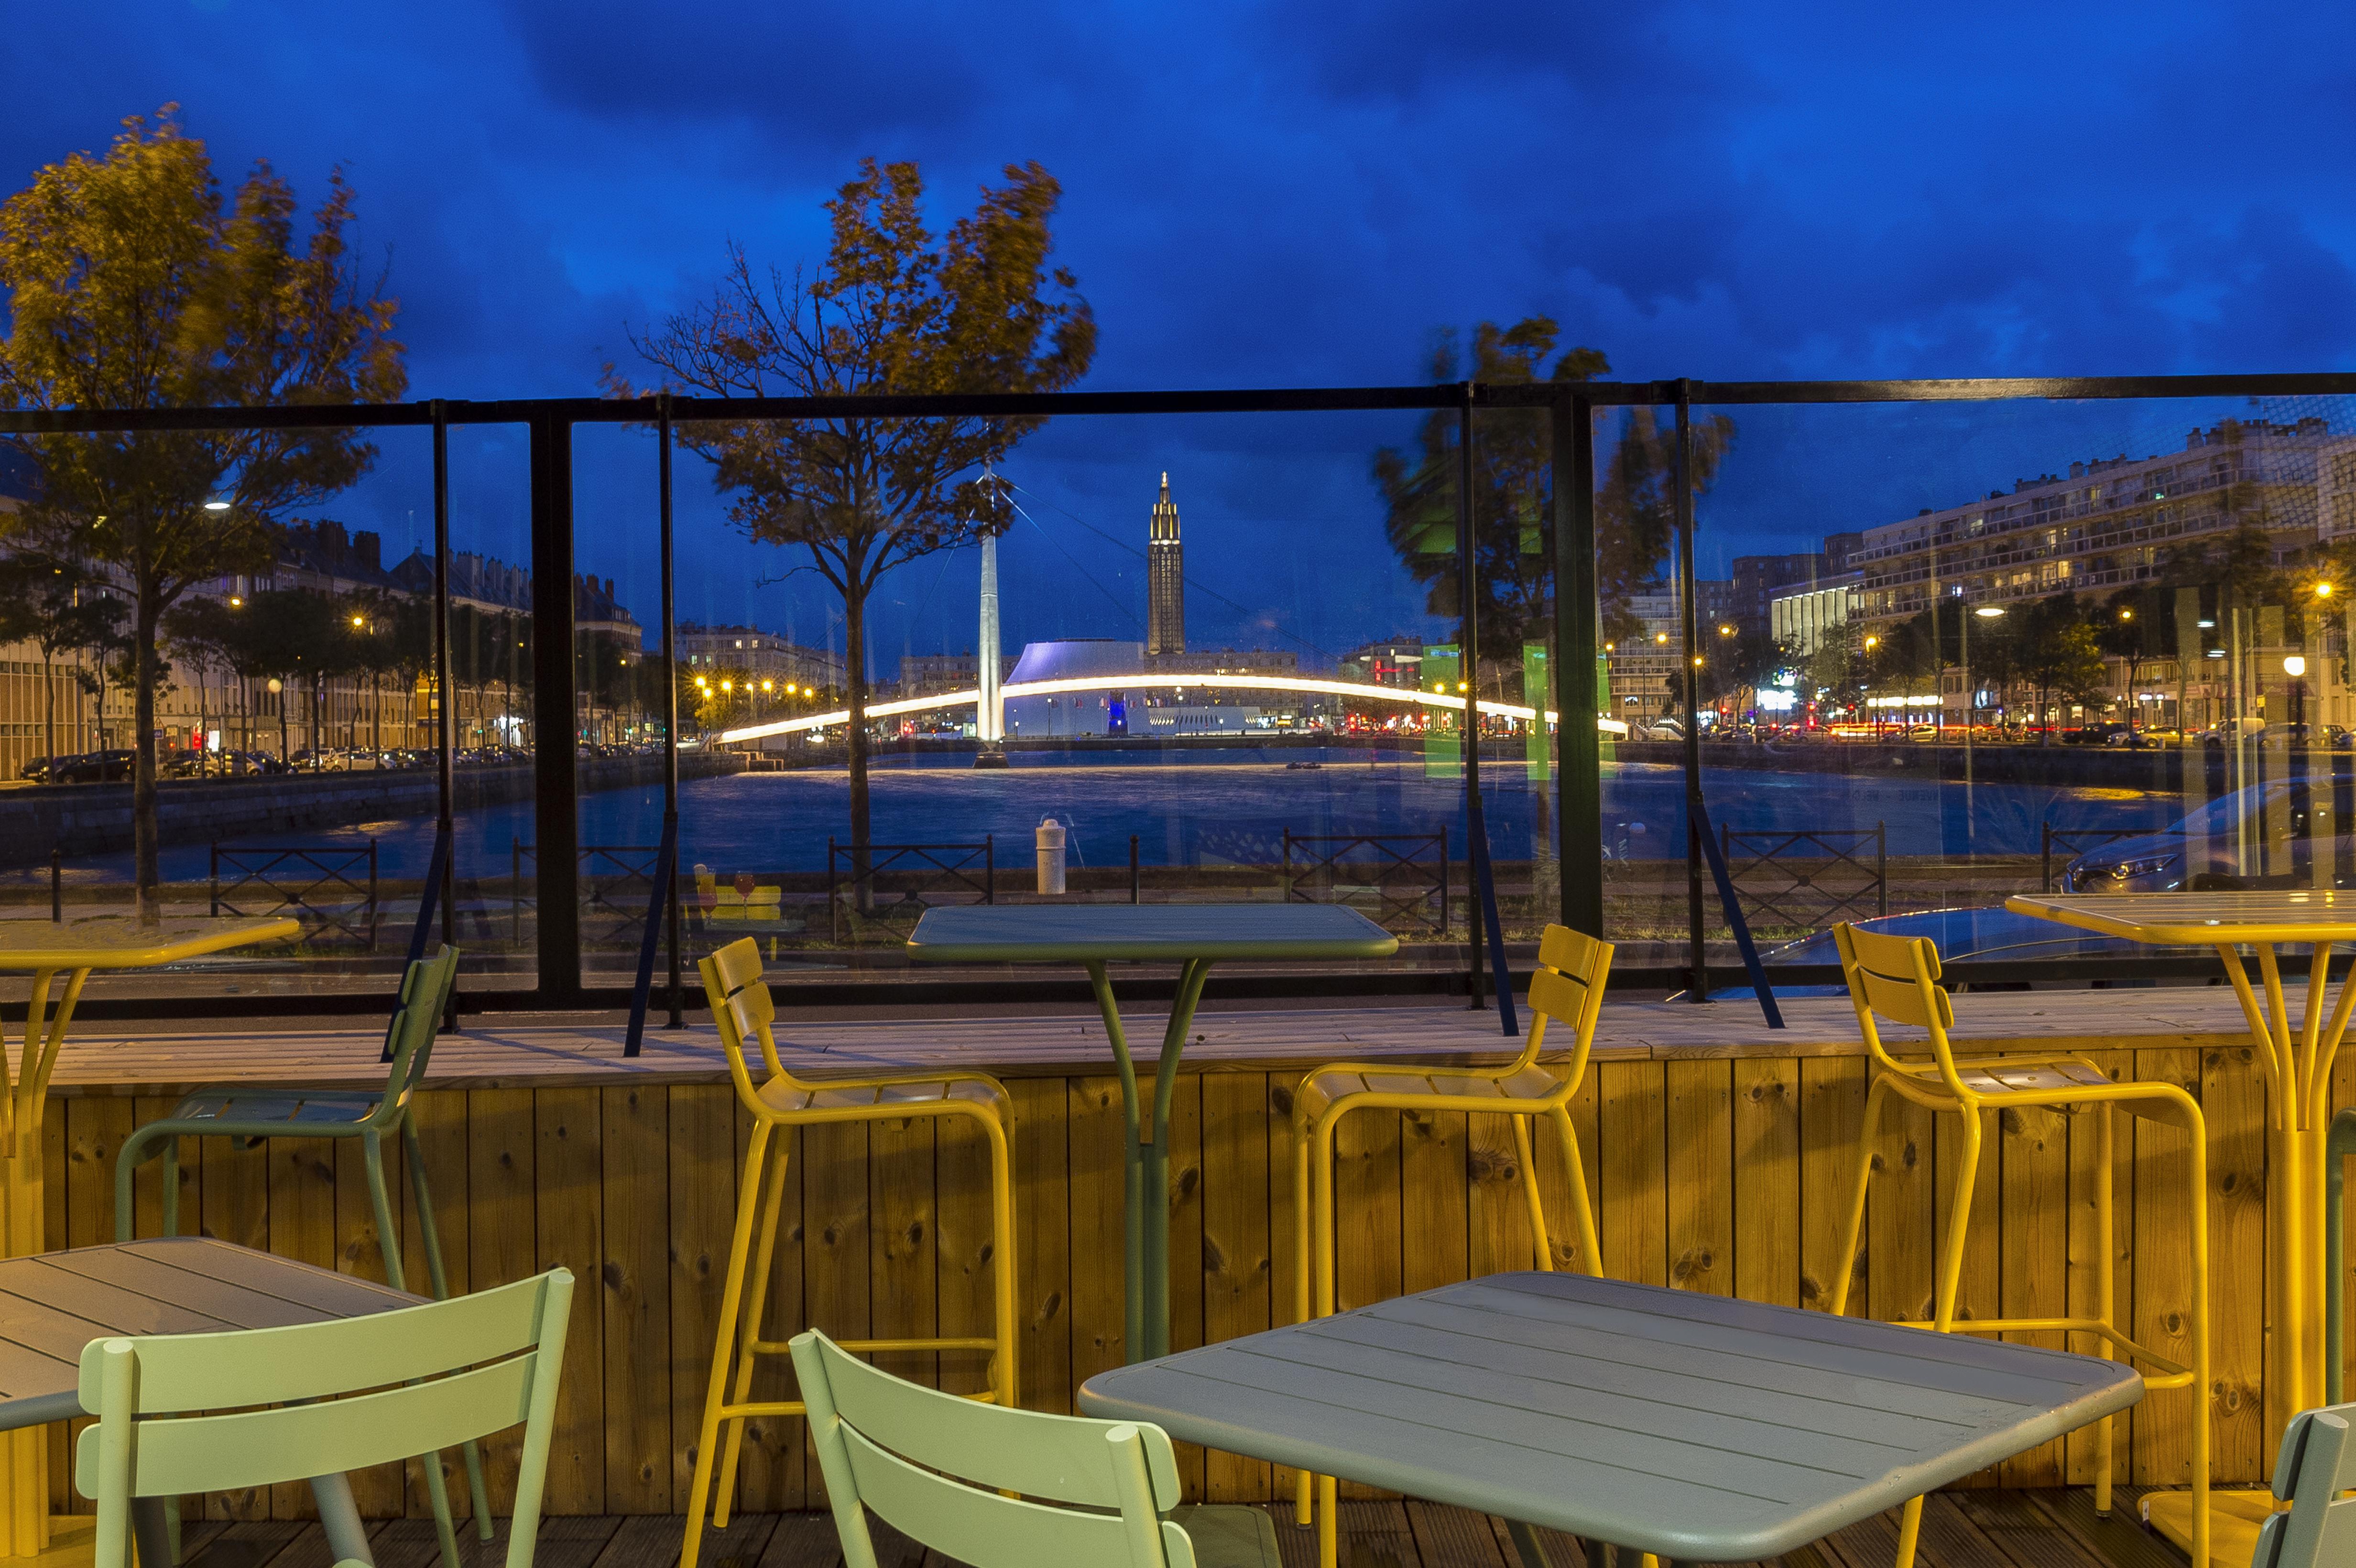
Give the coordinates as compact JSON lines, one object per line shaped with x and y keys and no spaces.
{"x":1405,"y":875}
{"x":1809,"y":879}
{"x":615,"y":880}
{"x":878,"y":891}
{"x":332,"y":889}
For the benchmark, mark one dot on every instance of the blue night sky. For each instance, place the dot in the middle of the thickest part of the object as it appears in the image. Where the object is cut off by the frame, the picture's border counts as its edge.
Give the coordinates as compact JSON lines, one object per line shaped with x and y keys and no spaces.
{"x":1288,"y":195}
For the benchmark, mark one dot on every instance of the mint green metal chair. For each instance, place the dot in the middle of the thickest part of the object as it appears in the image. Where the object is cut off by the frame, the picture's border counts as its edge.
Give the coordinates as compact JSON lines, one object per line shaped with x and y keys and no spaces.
{"x":207,"y":1413}
{"x":252,"y":1114}
{"x":2316,"y":1463}
{"x":939,"y":1469}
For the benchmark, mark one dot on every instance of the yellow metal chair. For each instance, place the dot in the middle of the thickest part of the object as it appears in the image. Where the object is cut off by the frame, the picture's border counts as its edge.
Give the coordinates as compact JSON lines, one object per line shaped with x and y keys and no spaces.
{"x":1895,"y":978}
{"x":741,"y":1005}
{"x":1568,"y":986}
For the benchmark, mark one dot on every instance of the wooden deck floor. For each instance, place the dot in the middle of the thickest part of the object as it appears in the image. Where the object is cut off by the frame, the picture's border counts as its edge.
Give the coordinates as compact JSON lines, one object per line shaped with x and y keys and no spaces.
{"x":489,"y":1053}
{"x":1961,"y":1530}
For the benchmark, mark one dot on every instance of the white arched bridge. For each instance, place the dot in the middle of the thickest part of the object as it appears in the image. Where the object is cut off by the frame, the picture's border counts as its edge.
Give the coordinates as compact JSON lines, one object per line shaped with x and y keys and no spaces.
{"x":1141,"y":682}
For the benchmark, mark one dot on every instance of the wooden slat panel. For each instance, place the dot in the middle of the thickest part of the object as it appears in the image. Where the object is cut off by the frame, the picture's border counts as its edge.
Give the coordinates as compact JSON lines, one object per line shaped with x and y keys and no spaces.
{"x":1043,"y":1241}
{"x":302,"y":1184}
{"x":1288,"y":1201}
{"x":1701,"y":1153}
{"x":836,"y":1272}
{"x":1899,"y":1211}
{"x":1832,"y":1112}
{"x":901,"y":1259}
{"x":2032,"y":1147}
{"x":1435,"y":1199}
{"x":1497,"y":1225}
{"x":1186,"y":1280}
{"x":1766,"y":1117}
{"x":441,"y":1121}
{"x":2087,"y":1262}
{"x":503,"y":1240}
{"x":2233,"y":1104}
{"x":1238,"y":1274}
{"x":965,"y":1270}
{"x":569,"y":1161}
{"x":236,"y":1209}
{"x":634,"y":1127}
{"x":1095,"y":1144}
{"x":2163,"y":1273}
{"x":1979,"y":1291}
{"x":703,"y":1137}
{"x":1633,"y":1201}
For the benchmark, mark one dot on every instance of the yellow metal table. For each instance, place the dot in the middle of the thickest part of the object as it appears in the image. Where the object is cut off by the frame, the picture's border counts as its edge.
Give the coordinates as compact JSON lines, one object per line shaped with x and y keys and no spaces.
{"x":72,"y":948}
{"x":2296,"y":1053}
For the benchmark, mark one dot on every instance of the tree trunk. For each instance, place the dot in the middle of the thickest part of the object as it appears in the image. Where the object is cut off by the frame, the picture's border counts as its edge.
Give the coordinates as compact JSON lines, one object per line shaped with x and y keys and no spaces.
{"x":143,"y":766}
{"x":854,"y":629}
{"x":50,"y":692}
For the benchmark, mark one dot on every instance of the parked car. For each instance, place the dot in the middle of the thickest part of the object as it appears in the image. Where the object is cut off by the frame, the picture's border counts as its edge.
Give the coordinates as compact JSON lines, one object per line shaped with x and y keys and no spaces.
{"x":2263,"y":835}
{"x":93,"y":767}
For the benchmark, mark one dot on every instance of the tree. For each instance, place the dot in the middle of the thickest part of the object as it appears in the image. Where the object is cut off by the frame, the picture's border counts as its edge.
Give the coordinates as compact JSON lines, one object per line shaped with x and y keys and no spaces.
{"x":1745,"y":662}
{"x":2056,"y":654}
{"x":1835,"y":672}
{"x":1513,"y":493}
{"x":890,"y":311}
{"x":2135,"y":626}
{"x":51,"y":602}
{"x":133,"y":283}
{"x":1512,"y":516}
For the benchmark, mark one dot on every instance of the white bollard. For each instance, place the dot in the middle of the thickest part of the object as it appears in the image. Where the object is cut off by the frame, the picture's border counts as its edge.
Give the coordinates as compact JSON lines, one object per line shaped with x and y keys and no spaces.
{"x":1051,"y":855}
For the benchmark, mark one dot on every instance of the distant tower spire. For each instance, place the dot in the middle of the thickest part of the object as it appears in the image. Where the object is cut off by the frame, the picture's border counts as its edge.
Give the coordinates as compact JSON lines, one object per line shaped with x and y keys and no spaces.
{"x":1165,"y":576}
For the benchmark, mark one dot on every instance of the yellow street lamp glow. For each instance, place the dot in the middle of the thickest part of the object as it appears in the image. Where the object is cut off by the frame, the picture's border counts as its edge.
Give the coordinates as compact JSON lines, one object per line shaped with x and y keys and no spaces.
{"x":1726,"y":631}
{"x":768,"y":686}
{"x":235,"y":602}
{"x":2323,"y":591}
{"x":2126,"y":614}
{"x":727,"y":686}
{"x":355,"y":620}
{"x":1988,"y":612}
{"x":1660,"y":636}
{"x":1872,"y":643}
{"x":2294,"y":666}
{"x":1696,"y":661}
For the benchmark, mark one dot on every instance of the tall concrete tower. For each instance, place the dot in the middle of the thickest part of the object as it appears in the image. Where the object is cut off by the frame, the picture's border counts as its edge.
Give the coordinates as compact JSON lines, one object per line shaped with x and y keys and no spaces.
{"x":1165,"y":579}
{"x":989,"y":716}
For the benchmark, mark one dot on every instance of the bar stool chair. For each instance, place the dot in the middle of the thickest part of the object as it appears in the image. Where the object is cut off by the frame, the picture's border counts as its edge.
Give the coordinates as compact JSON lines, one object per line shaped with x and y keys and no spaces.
{"x":1568,"y":986}
{"x":743,"y":1007}
{"x":1895,"y":978}
{"x":251,"y":1115}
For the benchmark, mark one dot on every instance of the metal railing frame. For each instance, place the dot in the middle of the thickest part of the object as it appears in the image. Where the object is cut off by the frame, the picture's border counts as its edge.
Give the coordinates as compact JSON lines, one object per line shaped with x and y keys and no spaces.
{"x":878,"y":858}
{"x":1403,"y":905}
{"x":1774,"y":848}
{"x":1571,"y":407}
{"x":259,"y":866}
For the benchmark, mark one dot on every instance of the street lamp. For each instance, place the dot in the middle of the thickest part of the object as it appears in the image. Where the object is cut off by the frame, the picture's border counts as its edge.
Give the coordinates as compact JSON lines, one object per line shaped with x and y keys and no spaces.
{"x":2295,"y":667}
{"x":277,"y":687}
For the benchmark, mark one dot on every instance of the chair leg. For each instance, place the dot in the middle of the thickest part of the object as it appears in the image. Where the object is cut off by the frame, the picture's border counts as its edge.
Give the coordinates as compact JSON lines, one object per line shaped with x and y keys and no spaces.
{"x":2198,"y":1208}
{"x":1853,"y":1226}
{"x":1959,"y":1221}
{"x":388,"y":1231}
{"x":422,"y":1193}
{"x":1009,"y":1379}
{"x":1539,"y":1241}
{"x":756,"y":1304}
{"x":1590,"y":1250}
{"x":739,"y":1244}
{"x":1321,"y":1227}
{"x":127,"y":1170}
{"x":1302,"y":1199}
{"x":2105,"y":1153}
{"x":443,"y":1532}
{"x":170,"y":1176}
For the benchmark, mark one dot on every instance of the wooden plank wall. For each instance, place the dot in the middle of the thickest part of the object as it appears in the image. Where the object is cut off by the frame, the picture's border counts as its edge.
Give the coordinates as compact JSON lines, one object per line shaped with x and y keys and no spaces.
{"x":1719,"y":1174}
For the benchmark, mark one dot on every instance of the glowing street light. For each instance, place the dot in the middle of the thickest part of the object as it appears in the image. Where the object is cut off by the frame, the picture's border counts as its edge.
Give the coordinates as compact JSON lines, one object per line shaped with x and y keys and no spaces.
{"x":2294,"y":667}
{"x":1988,"y":612}
{"x":215,"y":506}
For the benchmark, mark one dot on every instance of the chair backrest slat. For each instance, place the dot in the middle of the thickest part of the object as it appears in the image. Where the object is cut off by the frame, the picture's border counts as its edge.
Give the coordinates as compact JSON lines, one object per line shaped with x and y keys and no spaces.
{"x":987,"y":1530}
{"x":1897,"y":978}
{"x":424,"y":993}
{"x":933,"y":1466}
{"x":2316,"y":1463}
{"x":744,"y":1011}
{"x":177,"y":1412}
{"x":263,"y":1447}
{"x":1567,"y":987}
{"x":187,"y":1373}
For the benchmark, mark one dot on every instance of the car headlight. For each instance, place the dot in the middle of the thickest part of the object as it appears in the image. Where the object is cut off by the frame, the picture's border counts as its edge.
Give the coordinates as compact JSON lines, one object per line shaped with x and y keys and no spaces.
{"x":2122,"y":871}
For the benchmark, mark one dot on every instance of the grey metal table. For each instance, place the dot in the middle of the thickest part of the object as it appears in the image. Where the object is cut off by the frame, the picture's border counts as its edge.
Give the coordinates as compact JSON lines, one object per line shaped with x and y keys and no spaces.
{"x":1693,"y":1426}
{"x":1193,"y":936}
{"x":53,"y":1304}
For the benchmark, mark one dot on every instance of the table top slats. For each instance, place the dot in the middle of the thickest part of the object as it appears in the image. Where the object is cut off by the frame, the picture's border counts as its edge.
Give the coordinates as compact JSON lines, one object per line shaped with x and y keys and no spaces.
{"x":125,"y":941}
{"x":1612,"y":1367}
{"x":1071,"y":934}
{"x":1695,"y":1427}
{"x":122,"y":1310}
{"x":213,"y":1266}
{"x":2178,"y":920}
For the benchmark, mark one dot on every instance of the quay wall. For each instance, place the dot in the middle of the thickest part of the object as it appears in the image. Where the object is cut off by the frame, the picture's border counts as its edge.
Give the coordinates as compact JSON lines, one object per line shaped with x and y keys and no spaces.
{"x":92,"y":820}
{"x":2165,"y":769}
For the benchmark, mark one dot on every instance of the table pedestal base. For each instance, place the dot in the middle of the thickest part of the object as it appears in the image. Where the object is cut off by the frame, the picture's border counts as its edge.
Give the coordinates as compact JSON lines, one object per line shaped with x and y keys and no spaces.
{"x":2233,"y":1521}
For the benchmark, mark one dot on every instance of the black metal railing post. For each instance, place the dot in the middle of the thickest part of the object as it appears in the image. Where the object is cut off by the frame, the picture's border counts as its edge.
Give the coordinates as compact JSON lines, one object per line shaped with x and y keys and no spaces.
{"x":665,"y":885}
{"x":833,"y":902}
{"x":556,"y":768}
{"x":1881,"y":864}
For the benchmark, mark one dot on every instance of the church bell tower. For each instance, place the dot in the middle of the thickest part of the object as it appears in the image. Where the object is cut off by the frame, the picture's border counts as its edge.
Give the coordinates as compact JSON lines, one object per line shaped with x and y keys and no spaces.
{"x":1165,"y":575}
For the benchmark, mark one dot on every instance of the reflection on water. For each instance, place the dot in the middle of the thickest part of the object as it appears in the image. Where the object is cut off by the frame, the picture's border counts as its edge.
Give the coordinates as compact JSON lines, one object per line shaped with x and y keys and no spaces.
{"x":1230,"y":806}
